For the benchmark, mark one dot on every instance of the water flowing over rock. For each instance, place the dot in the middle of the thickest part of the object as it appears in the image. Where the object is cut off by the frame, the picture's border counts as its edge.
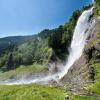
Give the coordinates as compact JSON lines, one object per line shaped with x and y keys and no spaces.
{"x":82,"y":73}
{"x":79,"y":39}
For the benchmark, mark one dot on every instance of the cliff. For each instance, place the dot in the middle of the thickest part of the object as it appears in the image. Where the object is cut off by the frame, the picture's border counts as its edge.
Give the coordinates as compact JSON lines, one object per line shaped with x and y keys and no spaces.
{"x":84,"y":75}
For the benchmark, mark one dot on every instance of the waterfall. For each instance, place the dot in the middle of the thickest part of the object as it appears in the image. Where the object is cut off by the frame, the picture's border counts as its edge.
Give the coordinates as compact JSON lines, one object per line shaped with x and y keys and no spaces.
{"x":79,"y":39}
{"x":77,"y":45}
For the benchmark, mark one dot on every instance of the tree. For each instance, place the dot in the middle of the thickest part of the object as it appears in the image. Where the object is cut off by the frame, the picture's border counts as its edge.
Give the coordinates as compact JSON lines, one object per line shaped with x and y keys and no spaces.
{"x":10,"y":63}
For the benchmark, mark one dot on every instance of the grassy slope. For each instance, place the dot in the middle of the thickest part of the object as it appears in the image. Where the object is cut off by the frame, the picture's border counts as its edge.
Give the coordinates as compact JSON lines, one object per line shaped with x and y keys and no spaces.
{"x":30,"y":92}
{"x":36,"y":92}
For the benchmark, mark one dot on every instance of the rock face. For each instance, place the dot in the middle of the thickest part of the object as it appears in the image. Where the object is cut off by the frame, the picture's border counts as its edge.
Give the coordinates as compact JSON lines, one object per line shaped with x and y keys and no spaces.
{"x":55,"y":64}
{"x":79,"y":75}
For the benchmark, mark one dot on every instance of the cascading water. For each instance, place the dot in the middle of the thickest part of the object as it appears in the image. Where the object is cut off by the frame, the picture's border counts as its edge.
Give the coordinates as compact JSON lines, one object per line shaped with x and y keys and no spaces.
{"x":79,"y":39}
{"x":78,"y":42}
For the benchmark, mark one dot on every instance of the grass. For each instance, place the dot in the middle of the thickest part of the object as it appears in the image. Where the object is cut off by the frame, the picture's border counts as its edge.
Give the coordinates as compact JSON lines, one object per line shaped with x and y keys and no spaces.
{"x":97,"y":70}
{"x":37,"y":92}
{"x":95,"y":88}
{"x":22,"y":70}
{"x":31,"y":92}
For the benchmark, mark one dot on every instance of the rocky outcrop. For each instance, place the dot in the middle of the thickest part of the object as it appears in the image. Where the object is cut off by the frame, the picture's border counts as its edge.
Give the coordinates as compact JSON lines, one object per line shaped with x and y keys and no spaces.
{"x":81,"y":73}
{"x":55,"y":64}
{"x":78,"y":76}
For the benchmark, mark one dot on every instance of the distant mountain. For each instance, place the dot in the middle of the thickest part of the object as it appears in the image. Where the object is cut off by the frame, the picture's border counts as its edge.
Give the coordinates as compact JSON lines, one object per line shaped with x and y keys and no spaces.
{"x":10,"y":41}
{"x":13,"y":40}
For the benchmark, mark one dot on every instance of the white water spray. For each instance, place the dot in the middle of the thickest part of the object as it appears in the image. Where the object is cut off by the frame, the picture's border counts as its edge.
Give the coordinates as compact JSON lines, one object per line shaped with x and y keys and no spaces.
{"x":78,"y":42}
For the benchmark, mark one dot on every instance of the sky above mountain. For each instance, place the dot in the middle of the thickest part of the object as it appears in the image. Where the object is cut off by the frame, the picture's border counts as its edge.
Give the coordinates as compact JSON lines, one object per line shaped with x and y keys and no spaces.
{"x":26,"y":17}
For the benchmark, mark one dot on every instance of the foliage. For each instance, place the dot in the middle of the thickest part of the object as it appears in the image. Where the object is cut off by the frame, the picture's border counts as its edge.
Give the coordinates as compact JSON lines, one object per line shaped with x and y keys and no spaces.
{"x":97,"y":8}
{"x":45,"y":33}
{"x":97,"y":1}
{"x":10,"y":62}
{"x":33,"y":51}
{"x":3,"y":60}
{"x":95,"y":88}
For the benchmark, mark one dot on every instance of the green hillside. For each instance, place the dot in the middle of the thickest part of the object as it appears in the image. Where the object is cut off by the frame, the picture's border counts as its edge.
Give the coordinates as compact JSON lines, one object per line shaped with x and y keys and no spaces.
{"x":30,"y":92}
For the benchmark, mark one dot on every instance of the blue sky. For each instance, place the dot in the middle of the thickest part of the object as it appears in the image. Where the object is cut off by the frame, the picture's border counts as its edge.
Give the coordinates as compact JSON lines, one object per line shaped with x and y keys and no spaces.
{"x":26,"y":17}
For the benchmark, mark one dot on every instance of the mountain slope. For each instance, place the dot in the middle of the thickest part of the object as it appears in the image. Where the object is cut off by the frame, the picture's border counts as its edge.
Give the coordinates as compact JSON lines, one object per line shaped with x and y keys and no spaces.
{"x":30,"y":92}
{"x":12,"y":41}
